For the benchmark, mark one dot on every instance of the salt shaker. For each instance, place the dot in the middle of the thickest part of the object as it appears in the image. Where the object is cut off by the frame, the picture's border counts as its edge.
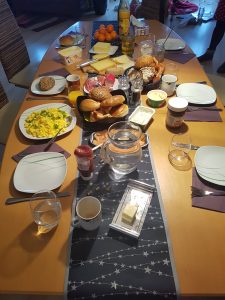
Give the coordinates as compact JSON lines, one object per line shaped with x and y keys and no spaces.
{"x":124,"y":85}
{"x":136,"y":89}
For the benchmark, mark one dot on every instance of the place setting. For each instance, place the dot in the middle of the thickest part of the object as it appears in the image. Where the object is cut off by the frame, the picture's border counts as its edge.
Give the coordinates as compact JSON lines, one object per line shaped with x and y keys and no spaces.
{"x":208,"y":178}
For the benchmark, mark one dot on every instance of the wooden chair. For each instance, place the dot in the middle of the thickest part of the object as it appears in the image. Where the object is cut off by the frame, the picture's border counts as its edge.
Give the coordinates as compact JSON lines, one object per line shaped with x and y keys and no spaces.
{"x":13,"y":52}
{"x":153,"y":9}
{"x":3,"y":97}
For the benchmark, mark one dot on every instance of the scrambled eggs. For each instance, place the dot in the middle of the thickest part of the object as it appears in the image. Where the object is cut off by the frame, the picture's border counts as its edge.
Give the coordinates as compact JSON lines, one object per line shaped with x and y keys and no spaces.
{"x":47,"y":122}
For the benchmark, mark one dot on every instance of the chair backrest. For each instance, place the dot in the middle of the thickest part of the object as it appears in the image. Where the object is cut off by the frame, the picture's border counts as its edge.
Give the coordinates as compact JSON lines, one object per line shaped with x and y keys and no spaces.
{"x":3,"y":97}
{"x":153,"y":9}
{"x":13,"y":52}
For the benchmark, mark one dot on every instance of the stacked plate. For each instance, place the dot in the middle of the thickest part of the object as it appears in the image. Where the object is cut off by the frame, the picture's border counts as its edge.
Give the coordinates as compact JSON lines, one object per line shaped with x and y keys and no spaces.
{"x":210,"y":164}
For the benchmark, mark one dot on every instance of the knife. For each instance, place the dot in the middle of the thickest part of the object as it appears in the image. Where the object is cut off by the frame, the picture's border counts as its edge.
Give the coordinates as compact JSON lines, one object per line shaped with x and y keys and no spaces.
{"x":186,"y":146}
{"x":15,"y":200}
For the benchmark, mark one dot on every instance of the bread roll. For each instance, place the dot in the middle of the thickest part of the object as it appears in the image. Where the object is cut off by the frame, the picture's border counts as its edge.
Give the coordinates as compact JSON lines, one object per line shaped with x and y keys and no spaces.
{"x":119,"y":111}
{"x":89,"y":105}
{"x":46,"y":83}
{"x":66,"y":40}
{"x":113,"y":101}
{"x":100,"y":93}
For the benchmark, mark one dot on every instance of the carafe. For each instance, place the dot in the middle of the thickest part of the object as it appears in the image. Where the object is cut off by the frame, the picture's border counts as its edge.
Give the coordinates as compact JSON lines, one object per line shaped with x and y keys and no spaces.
{"x":122,"y":150}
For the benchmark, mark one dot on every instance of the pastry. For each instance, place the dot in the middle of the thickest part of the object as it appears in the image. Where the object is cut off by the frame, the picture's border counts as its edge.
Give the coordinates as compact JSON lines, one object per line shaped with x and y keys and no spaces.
{"x":66,"y":40}
{"x":89,"y":105}
{"x":119,"y":111}
{"x":100,"y":93}
{"x":113,"y":101}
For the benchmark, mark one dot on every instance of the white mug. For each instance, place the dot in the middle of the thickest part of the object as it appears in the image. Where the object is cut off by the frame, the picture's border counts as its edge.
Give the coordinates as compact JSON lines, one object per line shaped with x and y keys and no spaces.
{"x":89,"y":213}
{"x":168,"y":84}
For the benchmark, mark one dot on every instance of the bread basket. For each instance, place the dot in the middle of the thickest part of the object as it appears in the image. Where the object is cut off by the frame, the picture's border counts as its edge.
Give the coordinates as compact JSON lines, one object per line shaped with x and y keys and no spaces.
{"x":100,"y":124}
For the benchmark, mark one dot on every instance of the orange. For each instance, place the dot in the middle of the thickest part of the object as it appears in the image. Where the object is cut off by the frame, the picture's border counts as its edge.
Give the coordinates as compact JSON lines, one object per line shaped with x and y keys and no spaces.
{"x":113,"y":34}
{"x":96,"y":34}
{"x":110,"y":28}
{"x":101,"y":37}
{"x":102,"y":26}
{"x":108,"y":37}
{"x":102,"y":30}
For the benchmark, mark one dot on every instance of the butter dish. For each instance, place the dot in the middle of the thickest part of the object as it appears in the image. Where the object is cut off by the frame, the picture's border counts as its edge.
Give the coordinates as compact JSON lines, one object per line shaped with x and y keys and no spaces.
{"x":137,"y":195}
{"x":142,"y":116}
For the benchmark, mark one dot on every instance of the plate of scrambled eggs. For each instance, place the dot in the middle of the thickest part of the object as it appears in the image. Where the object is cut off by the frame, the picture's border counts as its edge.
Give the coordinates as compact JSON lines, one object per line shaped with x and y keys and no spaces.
{"x":44,"y":121}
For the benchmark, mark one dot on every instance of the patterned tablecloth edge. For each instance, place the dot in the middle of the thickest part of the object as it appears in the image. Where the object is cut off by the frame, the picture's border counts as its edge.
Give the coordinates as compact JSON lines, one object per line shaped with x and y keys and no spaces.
{"x":165,"y":222}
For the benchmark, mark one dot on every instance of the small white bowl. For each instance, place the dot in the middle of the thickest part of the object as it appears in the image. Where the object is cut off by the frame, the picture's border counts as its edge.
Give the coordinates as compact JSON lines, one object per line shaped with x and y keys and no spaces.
{"x":156,"y":98}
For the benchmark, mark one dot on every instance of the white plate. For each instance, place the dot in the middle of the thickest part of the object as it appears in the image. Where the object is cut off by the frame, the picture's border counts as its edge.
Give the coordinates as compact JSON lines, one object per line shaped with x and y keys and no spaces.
{"x":62,"y":106}
{"x":210,"y":164}
{"x":112,"y":50}
{"x":115,"y":85}
{"x":60,"y":84}
{"x":40,"y":171}
{"x":172,"y":44}
{"x":196,"y":93}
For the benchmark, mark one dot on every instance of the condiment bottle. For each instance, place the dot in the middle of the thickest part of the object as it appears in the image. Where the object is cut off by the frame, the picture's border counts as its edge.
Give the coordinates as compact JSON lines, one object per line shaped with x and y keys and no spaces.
{"x":123,"y":17}
{"x":175,"y":113}
{"x":84,"y":156}
{"x":136,"y":89}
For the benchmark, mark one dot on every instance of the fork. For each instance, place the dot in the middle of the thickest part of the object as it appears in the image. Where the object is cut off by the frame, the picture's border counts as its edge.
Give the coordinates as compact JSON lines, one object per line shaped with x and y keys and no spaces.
{"x":197,"y":192}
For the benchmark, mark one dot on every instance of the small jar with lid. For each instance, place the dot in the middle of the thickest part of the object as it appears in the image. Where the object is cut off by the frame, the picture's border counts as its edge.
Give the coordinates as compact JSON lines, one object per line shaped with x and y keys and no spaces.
{"x":84,"y":155}
{"x":175,"y":113}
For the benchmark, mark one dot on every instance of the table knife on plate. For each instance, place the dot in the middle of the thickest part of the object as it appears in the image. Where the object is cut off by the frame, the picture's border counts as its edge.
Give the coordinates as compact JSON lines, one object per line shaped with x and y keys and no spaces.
{"x":15,"y":200}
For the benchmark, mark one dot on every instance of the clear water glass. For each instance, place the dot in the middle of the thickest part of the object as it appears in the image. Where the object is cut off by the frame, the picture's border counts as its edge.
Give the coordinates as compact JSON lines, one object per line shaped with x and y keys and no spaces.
{"x":46,"y":210}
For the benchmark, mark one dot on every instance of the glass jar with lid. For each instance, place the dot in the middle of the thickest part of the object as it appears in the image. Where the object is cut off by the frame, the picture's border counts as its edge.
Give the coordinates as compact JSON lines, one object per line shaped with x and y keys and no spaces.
{"x":175,"y":113}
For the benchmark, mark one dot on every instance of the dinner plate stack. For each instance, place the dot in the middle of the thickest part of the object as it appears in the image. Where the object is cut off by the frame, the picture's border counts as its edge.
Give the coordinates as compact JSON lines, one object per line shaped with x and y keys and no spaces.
{"x":210,"y":164}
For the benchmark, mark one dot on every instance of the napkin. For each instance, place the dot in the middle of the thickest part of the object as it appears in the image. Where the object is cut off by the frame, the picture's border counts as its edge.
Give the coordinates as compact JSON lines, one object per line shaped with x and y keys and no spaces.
{"x":39,"y":148}
{"x":179,"y":56}
{"x":216,"y":203}
{"x":203,"y":115}
{"x":60,"y":72}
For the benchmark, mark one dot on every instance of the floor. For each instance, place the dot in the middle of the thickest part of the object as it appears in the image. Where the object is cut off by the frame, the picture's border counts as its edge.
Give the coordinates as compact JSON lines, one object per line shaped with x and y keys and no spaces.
{"x":197,"y":36}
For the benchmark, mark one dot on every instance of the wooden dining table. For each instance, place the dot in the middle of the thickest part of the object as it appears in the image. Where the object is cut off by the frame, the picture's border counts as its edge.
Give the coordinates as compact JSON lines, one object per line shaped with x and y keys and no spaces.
{"x":32,"y":264}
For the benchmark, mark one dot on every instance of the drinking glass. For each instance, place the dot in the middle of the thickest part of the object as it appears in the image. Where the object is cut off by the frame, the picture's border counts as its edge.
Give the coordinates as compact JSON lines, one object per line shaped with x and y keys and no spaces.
{"x":179,"y":148}
{"x":159,"y":52}
{"x":171,"y":69}
{"x":128,"y":43}
{"x":147,"y":47}
{"x":46,"y":210}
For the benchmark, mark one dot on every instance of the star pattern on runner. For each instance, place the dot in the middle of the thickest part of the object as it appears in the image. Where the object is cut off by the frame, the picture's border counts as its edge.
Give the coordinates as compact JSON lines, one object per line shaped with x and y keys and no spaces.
{"x":106,"y":263}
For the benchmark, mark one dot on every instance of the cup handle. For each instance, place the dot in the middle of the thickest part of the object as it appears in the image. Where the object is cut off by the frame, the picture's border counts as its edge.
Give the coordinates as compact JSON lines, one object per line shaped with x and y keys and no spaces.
{"x":76,"y":222}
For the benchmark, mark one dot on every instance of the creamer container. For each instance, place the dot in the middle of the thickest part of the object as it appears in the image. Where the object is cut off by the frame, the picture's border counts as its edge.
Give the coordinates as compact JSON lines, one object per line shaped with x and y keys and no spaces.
{"x":175,"y":113}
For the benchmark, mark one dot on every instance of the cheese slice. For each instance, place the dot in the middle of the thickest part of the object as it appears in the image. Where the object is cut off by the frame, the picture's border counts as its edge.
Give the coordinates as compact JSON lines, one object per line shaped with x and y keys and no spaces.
{"x":122,"y":59}
{"x":103,"y":64}
{"x":102,"y":47}
{"x":127,"y":65}
{"x":100,"y":56}
{"x":129,"y":213}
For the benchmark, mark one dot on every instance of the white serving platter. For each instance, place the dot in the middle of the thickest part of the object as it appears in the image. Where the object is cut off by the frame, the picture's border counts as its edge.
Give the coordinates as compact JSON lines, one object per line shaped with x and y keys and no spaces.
{"x":40,"y":171}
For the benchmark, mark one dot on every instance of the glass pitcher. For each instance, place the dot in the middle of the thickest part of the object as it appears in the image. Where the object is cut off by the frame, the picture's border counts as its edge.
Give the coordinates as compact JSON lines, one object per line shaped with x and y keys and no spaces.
{"x":122,"y":150}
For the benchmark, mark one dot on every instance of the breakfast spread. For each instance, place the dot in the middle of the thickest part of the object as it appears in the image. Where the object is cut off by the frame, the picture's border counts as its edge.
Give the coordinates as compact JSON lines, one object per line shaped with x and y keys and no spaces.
{"x":46,"y":83}
{"x":47,"y":122}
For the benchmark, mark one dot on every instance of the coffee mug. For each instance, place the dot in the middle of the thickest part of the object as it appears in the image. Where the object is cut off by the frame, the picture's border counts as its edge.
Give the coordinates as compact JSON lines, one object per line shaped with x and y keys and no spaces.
{"x":73,"y":82}
{"x":168,"y":84}
{"x":89,"y":213}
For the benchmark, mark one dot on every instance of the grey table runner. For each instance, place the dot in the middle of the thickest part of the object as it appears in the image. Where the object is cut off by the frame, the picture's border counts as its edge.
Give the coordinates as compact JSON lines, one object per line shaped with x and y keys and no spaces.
{"x":106,"y":264}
